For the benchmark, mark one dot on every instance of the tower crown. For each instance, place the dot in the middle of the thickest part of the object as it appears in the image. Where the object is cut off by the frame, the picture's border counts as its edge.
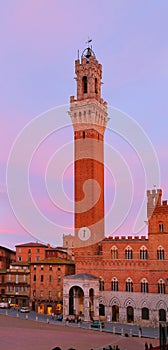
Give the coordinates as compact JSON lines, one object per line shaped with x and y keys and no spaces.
{"x":88,"y":77}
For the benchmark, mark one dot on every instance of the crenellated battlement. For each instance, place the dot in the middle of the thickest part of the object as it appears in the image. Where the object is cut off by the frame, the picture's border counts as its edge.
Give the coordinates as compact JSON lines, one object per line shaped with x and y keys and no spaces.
{"x":125,"y":238}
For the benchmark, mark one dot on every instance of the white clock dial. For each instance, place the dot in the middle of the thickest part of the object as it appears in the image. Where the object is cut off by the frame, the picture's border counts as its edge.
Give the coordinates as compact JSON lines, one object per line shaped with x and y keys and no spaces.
{"x":84,"y":233}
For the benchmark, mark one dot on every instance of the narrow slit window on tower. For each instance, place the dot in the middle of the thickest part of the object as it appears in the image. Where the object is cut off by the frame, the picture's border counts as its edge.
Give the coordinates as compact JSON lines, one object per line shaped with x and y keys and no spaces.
{"x":96,"y":86}
{"x":161,"y":228}
{"x":84,"y":80}
{"x":83,"y":134}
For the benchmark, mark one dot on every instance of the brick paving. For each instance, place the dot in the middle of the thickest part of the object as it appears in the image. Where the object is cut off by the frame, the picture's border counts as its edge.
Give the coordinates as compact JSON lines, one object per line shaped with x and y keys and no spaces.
{"x":17,"y":334}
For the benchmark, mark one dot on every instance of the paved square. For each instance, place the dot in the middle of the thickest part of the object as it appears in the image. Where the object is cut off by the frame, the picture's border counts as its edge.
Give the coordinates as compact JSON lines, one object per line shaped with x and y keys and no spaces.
{"x":17,"y":334}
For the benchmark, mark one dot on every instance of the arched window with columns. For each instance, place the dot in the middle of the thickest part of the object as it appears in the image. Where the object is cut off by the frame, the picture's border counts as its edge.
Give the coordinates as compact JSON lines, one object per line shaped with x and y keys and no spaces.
{"x":114,"y":284}
{"x":129,"y":285}
{"x":128,"y":253}
{"x":144,"y":285}
{"x":161,"y":286}
{"x":114,"y":252}
{"x":143,"y":253}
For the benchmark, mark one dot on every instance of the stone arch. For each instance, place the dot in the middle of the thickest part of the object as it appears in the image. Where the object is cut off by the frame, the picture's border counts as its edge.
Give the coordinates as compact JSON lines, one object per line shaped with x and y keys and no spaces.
{"x":114,"y":301}
{"x":129,"y":302}
{"x":102,"y":301}
{"x":76,"y":300}
{"x":161,"y":305}
{"x":89,"y":285}
{"x":145,"y":303}
{"x":115,"y":309}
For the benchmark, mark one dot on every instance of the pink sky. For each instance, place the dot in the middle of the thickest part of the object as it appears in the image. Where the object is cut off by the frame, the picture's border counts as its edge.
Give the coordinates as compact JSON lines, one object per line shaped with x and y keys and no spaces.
{"x":39,"y":43}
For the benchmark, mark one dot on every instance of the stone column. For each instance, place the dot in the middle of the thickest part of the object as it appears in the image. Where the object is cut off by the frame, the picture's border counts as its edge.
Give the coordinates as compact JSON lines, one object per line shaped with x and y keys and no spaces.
{"x":65,"y":306}
{"x":86,"y":309}
{"x":96,"y":307}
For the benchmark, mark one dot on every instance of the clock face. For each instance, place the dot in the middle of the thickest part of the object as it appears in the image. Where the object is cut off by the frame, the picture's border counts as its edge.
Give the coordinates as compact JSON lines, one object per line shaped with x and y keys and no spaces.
{"x":84,"y":233}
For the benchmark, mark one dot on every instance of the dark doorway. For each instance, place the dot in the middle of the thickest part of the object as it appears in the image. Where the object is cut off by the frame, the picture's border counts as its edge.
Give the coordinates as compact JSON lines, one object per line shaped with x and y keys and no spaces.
{"x":162,"y":315}
{"x":115,"y":313}
{"x":130,"y":314}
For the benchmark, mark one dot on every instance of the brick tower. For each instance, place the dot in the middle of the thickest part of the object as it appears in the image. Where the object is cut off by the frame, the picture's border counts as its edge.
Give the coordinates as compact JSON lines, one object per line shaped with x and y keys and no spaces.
{"x":88,"y":113}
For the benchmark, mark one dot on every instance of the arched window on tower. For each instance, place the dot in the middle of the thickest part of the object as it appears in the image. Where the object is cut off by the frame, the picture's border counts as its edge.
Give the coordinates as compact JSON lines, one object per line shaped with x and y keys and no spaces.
{"x":160,"y":253}
{"x":96,"y":86}
{"x":84,"y":84}
{"x":161,"y":227}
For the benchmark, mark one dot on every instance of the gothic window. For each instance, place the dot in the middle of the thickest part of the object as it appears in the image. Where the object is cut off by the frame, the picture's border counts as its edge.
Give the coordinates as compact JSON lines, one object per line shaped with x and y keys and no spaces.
{"x":101,"y":284}
{"x":161,"y":228}
{"x":143,"y":253}
{"x":145,"y":313}
{"x":161,"y":287}
{"x":128,"y":253}
{"x":84,"y":83}
{"x":114,"y":284}
{"x":160,"y":253}
{"x":144,"y":285}
{"x":114,"y":252}
{"x":129,"y":285}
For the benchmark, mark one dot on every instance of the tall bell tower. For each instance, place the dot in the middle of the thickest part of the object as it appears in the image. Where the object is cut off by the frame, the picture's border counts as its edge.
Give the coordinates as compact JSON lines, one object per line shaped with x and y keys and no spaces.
{"x":89,"y":117}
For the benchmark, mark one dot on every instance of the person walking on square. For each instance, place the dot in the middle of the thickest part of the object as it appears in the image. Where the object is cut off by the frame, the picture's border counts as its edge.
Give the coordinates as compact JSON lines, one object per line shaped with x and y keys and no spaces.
{"x":146,"y":346}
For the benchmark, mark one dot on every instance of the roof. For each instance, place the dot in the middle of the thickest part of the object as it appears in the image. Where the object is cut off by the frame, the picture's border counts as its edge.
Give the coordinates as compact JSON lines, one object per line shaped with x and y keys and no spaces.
{"x":8,"y":249}
{"x":82,"y":276}
{"x":19,"y":263}
{"x":53,"y":261}
{"x":32,"y":244}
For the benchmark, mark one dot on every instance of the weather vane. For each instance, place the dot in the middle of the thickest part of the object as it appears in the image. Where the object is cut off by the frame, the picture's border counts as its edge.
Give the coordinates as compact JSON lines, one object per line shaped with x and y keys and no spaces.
{"x":88,"y":41}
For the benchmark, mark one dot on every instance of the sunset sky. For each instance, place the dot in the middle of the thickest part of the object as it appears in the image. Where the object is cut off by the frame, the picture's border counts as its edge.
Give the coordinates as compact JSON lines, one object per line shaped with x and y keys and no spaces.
{"x":39,"y":44}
